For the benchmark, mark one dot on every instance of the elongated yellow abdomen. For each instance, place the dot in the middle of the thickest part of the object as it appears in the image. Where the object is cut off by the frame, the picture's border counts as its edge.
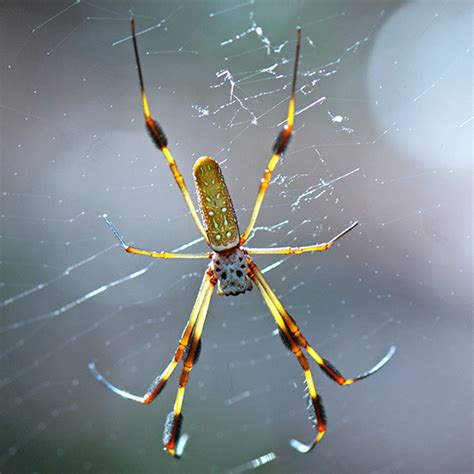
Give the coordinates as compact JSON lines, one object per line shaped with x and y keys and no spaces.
{"x":216,"y":206}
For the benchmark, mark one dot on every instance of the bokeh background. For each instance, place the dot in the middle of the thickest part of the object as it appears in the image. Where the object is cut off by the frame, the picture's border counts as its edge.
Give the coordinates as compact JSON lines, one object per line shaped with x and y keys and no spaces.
{"x":383,"y":135}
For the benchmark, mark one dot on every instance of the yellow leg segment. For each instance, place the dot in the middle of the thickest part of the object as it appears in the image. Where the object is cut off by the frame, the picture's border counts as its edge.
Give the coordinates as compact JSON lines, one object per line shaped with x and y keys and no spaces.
{"x":324,"y":364}
{"x":155,"y":254}
{"x":160,"y":140}
{"x":278,"y":149}
{"x":158,"y":384}
{"x":173,"y":440}
{"x":316,"y":407}
{"x":149,"y":253}
{"x":298,"y":250}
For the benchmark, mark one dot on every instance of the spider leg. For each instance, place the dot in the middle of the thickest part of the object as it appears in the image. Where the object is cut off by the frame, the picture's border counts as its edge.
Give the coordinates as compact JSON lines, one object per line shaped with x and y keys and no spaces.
{"x":172,"y":439}
{"x":324,"y":364}
{"x":315,"y":406}
{"x":149,"y":253}
{"x":296,"y":250}
{"x":158,"y":384}
{"x":278,"y":149}
{"x":155,"y":254}
{"x":159,"y":138}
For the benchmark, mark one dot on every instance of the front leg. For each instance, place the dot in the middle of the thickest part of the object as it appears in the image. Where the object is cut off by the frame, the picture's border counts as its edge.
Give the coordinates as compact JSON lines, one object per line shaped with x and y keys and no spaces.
{"x":149,"y":253}
{"x":296,"y":250}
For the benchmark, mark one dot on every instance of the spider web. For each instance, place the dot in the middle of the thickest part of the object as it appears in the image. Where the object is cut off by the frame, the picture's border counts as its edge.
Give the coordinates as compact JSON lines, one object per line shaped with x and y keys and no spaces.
{"x":382,"y":135}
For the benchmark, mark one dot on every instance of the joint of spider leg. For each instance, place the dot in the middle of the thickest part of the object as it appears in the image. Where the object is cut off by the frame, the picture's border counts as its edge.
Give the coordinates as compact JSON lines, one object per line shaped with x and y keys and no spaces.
{"x":182,"y":349}
{"x":177,"y":175}
{"x":184,"y":377}
{"x":212,"y":276}
{"x":189,"y":362}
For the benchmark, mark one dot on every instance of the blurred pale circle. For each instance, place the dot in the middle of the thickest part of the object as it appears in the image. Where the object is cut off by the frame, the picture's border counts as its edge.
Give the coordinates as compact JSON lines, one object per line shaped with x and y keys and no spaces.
{"x":420,"y":82}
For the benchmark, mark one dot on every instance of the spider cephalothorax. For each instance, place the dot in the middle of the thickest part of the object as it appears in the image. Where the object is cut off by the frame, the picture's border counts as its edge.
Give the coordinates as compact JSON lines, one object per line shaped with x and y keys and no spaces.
{"x":229,"y":262}
{"x":233,"y":270}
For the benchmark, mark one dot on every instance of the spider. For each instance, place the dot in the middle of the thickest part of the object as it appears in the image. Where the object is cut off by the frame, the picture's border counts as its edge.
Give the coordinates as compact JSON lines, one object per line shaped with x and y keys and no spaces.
{"x":234,"y":272}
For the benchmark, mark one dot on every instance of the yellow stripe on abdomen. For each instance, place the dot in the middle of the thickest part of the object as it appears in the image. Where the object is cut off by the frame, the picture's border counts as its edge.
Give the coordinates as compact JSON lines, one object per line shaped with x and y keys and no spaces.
{"x":216,"y":206}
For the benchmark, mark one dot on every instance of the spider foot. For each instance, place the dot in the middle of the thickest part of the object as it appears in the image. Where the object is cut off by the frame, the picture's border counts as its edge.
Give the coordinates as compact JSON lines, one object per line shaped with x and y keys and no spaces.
{"x":109,"y":386}
{"x":180,"y":445}
{"x":306,"y":448}
{"x":114,"y":230}
{"x":375,"y":368}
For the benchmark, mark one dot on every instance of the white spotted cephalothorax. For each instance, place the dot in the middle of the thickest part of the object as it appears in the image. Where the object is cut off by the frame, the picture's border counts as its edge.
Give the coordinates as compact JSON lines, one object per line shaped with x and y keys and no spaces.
{"x":229,"y":263}
{"x":231,"y":271}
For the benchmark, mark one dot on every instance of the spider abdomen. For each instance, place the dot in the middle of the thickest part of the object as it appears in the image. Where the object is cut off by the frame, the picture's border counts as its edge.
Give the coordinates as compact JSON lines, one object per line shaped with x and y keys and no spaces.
{"x":220,"y":221}
{"x":231,"y":271}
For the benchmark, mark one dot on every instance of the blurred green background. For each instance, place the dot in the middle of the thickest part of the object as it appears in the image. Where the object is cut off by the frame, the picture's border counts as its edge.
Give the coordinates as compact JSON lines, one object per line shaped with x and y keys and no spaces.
{"x":383,"y":136}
